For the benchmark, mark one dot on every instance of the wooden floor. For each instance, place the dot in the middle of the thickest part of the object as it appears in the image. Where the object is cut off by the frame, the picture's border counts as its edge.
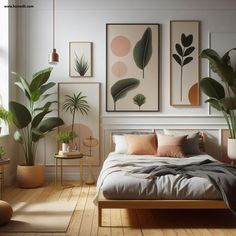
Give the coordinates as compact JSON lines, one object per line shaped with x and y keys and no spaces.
{"x":123,"y":222}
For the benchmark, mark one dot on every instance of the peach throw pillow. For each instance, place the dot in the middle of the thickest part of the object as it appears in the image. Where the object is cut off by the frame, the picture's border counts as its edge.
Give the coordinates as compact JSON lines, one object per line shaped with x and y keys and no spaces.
{"x":170,"y":146}
{"x":145,"y":144}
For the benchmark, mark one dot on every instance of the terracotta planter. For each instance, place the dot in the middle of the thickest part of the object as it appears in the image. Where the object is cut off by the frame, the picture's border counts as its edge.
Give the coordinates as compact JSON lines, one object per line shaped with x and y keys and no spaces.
{"x":30,"y":176}
{"x":231,"y":149}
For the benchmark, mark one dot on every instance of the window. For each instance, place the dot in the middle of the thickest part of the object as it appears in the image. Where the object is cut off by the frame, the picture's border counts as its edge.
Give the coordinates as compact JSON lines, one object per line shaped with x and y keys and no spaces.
{"x":4,"y":60}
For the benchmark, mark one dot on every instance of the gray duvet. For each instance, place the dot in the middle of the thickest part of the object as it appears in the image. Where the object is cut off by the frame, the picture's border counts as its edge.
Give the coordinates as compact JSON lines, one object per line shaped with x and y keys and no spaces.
{"x":117,"y":182}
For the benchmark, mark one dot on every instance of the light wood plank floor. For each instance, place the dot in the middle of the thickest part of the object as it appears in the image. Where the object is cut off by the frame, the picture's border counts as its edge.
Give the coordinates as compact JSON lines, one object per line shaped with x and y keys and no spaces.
{"x":121,"y":222}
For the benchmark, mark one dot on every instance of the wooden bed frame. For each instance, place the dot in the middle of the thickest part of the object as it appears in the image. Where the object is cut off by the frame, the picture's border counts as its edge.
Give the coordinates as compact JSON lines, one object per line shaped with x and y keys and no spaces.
{"x":157,"y":204}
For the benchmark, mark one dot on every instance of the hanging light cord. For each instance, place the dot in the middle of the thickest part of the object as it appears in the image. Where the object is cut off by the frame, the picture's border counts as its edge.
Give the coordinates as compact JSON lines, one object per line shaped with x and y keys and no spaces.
{"x":53,"y":25}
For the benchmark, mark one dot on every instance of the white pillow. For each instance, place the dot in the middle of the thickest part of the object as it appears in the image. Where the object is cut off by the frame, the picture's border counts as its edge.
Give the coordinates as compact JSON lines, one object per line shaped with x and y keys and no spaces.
{"x":121,"y":145}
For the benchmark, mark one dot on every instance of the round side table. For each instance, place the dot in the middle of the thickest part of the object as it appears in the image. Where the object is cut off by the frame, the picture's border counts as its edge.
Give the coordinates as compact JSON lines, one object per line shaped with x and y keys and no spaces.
{"x":68,"y":157}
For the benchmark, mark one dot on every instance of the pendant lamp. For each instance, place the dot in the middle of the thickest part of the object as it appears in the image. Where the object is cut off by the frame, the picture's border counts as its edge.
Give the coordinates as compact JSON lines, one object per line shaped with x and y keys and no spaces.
{"x":53,"y":56}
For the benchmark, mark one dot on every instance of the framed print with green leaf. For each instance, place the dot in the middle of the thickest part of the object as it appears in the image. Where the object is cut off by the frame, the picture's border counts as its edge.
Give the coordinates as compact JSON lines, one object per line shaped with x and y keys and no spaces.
{"x":80,"y":59}
{"x":132,"y":67}
{"x":184,"y":63}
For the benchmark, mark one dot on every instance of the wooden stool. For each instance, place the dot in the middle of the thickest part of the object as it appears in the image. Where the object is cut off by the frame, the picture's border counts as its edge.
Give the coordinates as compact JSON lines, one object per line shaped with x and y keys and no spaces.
{"x":5,"y":212}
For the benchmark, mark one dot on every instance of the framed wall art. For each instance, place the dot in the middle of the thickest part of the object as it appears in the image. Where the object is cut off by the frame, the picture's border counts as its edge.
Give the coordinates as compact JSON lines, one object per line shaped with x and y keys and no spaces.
{"x":184,"y":63}
{"x":86,"y":124}
{"x":80,"y":54}
{"x":132,"y":67}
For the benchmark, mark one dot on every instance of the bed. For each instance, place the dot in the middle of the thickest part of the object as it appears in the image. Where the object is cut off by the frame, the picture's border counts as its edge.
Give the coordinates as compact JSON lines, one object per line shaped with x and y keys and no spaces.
{"x":118,"y":187}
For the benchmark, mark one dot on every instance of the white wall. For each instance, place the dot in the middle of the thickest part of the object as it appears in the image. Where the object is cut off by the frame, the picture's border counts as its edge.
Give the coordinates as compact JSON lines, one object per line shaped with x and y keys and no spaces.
{"x":78,"y":20}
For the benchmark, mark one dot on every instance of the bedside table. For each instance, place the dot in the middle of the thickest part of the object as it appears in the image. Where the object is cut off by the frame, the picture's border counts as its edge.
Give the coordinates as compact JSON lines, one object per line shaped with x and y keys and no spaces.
{"x":68,"y":157}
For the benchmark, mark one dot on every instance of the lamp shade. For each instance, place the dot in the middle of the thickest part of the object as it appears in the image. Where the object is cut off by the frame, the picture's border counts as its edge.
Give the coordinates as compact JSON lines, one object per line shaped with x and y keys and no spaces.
{"x":53,"y":57}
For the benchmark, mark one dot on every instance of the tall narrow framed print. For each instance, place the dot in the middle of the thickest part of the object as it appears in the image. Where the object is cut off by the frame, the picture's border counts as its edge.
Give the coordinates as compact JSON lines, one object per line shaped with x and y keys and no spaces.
{"x":81,"y":59}
{"x":132,"y":67}
{"x":184,"y":63}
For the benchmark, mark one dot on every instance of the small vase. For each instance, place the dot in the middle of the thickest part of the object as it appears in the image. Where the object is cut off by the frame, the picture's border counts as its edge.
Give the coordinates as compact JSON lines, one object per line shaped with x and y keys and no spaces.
{"x":231,"y":149}
{"x":65,"y":147}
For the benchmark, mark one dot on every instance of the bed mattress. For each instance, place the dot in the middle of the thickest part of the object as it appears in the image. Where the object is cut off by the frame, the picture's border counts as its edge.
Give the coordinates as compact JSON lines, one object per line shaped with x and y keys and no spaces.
{"x":117,"y":182}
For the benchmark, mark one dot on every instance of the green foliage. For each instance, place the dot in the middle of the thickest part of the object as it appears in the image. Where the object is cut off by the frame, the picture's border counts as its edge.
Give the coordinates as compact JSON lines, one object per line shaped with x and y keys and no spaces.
{"x":76,"y":103}
{"x":139,"y":100}
{"x":5,"y":115}
{"x":30,"y":119}
{"x":81,"y":65}
{"x":122,"y":87}
{"x":2,"y":152}
{"x":65,"y":136}
{"x":182,"y":57}
{"x":222,"y":98}
{"x":143,"y":50}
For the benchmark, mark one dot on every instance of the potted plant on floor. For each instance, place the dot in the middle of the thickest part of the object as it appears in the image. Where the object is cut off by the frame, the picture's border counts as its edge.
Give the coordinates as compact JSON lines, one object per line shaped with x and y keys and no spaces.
{"x":32,"y":124}
{"x":222,"y":98}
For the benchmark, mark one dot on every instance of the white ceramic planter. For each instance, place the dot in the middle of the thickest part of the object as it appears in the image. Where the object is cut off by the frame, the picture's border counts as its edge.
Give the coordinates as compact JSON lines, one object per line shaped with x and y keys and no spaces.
{"x":65,"y":147}
{"x":231,"y":149}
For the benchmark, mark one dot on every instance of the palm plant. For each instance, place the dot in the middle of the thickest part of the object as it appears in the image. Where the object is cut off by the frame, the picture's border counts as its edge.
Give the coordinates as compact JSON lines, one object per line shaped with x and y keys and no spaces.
{"x":30,"y":119}
{"x":76,"y":103}
{"x":81,"y":65}
{"x":139,"y":100}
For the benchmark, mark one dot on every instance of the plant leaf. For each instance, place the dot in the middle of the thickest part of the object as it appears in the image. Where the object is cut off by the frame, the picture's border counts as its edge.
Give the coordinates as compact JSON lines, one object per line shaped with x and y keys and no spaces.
{"x":188,"y":51}
{"x":49,"y":124}
{"x":212,"y":88}
{"x":122,"y":87}
{"x":47,"y":86}
{"x":228,"y":103}
{"x":214,"y":103}
{"x":18,"y":137}
{"x":224,"y":71}
{"x":186,"y":40}
{"x":38,"y":118}
{"x":179,"y":49}
{"x":187,"y":60}
{"x":21,"y":115}
{"x":40,"y":78}
{"x":178,"y":59}
{"x":143,"y":49}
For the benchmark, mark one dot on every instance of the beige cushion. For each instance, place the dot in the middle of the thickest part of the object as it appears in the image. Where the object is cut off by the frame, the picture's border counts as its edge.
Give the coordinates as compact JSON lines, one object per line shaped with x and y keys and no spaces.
{"x":5,"y":212}
{"x":141,"y":144}
{"x":170,"y":146}
{"x":191,"y":144}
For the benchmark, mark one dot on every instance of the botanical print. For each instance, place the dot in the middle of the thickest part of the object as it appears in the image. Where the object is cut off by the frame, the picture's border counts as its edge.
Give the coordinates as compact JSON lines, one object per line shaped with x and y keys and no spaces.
{"x":80,"y":59}
{"x":79,"y":107}
{"x":132,"y":67}
{"x":184,"y":63}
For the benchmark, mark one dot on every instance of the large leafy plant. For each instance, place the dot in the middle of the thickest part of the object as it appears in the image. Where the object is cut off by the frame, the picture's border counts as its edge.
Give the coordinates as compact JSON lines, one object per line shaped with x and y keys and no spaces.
{"x":222,"y":98}
{"x":30,"y":120}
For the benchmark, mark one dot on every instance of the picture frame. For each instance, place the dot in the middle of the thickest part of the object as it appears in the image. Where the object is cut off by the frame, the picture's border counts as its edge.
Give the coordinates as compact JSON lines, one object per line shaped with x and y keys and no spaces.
{"x":84,"y":125}
{"x":80,"y":59}
{"x":132,"y":73}
{"x":184,"y":63}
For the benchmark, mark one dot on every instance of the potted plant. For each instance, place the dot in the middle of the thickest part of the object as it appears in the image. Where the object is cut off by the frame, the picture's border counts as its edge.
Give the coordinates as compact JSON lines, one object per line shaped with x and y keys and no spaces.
{"x":2,"y":152}
{"x":32,"y":124}
{"x":222,"y":98}
{"x":4,"y":116}
{"x":65,"y":137}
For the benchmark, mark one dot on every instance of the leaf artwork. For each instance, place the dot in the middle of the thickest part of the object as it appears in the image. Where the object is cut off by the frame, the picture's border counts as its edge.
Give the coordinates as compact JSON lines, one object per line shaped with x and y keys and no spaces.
{"x":81,"y":65}
{"x":182,"y":57}
{"x":122,"y":87}
{"x":139,"y":100}
{"x":143,"y":50}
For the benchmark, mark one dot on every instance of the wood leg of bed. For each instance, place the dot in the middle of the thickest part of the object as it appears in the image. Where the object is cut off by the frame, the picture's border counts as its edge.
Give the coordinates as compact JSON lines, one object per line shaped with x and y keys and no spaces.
{"x":99,"y":216}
